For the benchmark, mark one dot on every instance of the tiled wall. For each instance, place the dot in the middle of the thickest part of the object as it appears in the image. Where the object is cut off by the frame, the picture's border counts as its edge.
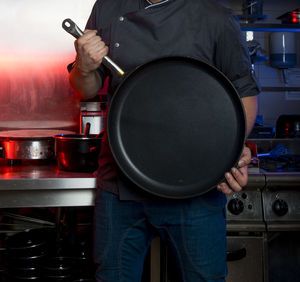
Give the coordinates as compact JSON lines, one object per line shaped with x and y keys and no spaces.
{"x":273,"y":104}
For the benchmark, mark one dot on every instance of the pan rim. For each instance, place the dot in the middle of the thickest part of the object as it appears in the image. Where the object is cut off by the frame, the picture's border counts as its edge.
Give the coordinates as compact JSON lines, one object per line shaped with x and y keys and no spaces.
{"x":112,"y":135}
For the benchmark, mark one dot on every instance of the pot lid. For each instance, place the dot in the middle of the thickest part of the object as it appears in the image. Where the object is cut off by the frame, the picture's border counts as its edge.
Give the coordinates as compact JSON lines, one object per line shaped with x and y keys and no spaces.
{"x":29,"y":134}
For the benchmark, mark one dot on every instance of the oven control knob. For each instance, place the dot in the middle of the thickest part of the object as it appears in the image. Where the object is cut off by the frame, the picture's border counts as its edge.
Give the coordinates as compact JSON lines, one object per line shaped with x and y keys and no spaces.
{"x":235,"y":206}
{"x":280,"y":207}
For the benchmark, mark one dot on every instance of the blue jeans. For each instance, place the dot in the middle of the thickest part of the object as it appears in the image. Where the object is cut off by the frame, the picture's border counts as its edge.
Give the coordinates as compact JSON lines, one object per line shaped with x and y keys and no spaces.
{"x":195,"y":230}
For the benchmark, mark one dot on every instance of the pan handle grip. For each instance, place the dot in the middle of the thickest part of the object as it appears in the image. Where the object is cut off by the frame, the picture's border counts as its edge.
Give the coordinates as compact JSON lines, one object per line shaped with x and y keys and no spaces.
{"x":2,"y":155}
{"x":69,"y":26}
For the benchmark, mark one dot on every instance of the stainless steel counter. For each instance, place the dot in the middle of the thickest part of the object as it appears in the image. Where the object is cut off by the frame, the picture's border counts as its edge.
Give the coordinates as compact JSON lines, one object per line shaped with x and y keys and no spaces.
{"x":44,"y":185}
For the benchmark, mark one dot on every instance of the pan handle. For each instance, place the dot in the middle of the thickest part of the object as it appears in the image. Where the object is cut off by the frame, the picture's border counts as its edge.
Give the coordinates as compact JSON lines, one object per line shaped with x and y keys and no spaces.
{"x":69,"y":26}
{"x":2,"y":155}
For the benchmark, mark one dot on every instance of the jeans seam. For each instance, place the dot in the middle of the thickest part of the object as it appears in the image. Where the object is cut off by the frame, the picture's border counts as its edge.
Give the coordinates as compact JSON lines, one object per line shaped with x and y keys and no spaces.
{"x":121,"y":244}
{"x":178,"y":255}
{"x":175,"y":246}
{"x":107,"y":247}
{"x":186,"y":249}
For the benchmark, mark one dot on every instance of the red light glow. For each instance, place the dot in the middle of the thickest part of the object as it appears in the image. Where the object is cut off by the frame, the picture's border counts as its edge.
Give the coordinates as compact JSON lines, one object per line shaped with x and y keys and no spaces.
{"x":34,"y":54}
{"x":36,"y":87}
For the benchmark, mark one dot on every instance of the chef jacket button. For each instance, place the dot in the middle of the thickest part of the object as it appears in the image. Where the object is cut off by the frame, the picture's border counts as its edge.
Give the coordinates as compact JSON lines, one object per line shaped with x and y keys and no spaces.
{"x":117,"y":44}
{"x":121,"y":19}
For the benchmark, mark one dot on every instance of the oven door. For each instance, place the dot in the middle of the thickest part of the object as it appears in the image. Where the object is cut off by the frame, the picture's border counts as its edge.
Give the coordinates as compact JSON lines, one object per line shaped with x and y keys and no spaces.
{"x":246,"y":258}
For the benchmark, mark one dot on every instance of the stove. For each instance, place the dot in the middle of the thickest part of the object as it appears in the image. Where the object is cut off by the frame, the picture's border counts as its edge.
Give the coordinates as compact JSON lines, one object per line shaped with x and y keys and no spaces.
{"x":280,"y":163}
{"x":244,"y":209}
{"x":281,"y":207}
{"x":246,"y":233}
{"x":263,"y":220}
{"x":273,"y":203}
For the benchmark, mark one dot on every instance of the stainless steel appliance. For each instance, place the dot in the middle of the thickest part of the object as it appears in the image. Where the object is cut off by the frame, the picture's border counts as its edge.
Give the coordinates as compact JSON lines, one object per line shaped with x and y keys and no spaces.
{"x":28,"y":144}
{"x":247,"y":261}
{"x":93,"y":113}
{"x":264,"y":219}
{"x":282,"y":202}
{"x":246,"y":234}
{"x":282,"y":216}
{"x":281,"y":207}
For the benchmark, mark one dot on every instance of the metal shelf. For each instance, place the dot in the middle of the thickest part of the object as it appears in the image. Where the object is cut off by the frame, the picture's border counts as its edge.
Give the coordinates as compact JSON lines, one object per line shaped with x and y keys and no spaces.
{"x":279,"y":88}
{"x":270,"y":27}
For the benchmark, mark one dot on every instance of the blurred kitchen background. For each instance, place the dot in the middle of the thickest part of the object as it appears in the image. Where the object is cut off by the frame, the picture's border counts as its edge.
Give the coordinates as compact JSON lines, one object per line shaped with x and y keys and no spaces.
{"x":34,"y":54}
{"x":35,"y":50}
{"x":35,"y":94}
{"x":280,"y":86}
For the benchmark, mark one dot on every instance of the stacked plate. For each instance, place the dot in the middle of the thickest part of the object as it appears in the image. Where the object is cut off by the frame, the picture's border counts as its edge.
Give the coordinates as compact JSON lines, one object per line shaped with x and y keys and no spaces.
{"x":37,"y":255}
{"x":26,"y":252}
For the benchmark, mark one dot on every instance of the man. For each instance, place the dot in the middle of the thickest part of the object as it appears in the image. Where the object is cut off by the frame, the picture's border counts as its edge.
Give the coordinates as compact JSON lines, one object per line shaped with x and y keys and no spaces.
{"x":132,"y":32}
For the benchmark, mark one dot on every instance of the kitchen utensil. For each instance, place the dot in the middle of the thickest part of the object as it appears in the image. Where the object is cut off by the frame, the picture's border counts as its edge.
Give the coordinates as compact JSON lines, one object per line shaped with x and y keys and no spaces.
{"x":29,"y":243}
{"x":74,"y":152}
{"x":33,"y":144}
{"x":253,"y":7}
{"x":93,"y":113}
{"x":87,"y":129}
{"x":283,"y":53}
{"x":183,"y":145}
{"x":69,"y":26}
{"x":175,"y":125}
{"x":283,"y":50}
{"x":61,"y":268}
{"x":276,"y":152}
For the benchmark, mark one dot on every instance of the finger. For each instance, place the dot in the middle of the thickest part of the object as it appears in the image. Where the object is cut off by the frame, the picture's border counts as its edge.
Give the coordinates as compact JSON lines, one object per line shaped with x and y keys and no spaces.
{"x":97,"y":57}
{"x":93,"y":50}
{"x":240,"y":176}
{"x":223,"y":187}
{"x":96,"y":44}
{"x":90,"y":32}
{"x":87,"y":36}
{"x":98,"y":52}
{"x":245,"y":157}
{"x":232,"y":182}
{"x":76,"y":45}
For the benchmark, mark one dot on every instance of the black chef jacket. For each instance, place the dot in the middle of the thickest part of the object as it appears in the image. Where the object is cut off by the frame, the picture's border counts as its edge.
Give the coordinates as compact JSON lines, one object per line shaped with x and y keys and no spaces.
{"x":135,"y":35}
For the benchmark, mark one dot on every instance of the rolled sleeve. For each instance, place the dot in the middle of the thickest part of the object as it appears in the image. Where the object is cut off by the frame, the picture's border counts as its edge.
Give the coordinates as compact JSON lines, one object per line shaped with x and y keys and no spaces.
{"x":247,"y":85}
{"x":232,"y":58}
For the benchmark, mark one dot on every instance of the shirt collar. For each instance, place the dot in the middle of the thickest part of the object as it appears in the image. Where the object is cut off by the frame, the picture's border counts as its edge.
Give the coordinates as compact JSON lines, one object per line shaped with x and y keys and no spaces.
{"x":149,"y":4}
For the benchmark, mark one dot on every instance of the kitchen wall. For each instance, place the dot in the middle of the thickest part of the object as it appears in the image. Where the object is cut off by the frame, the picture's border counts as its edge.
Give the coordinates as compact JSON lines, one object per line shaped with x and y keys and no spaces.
{"x":271,"y":104}
{"x":34,"y":53}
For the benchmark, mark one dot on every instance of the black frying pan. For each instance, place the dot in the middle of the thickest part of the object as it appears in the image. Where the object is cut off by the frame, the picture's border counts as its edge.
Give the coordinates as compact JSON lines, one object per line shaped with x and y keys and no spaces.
{"x":175,"y":126}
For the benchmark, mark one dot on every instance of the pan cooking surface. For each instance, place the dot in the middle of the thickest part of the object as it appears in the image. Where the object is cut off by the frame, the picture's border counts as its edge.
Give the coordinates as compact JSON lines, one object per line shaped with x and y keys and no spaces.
{"x":175,"y":126}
